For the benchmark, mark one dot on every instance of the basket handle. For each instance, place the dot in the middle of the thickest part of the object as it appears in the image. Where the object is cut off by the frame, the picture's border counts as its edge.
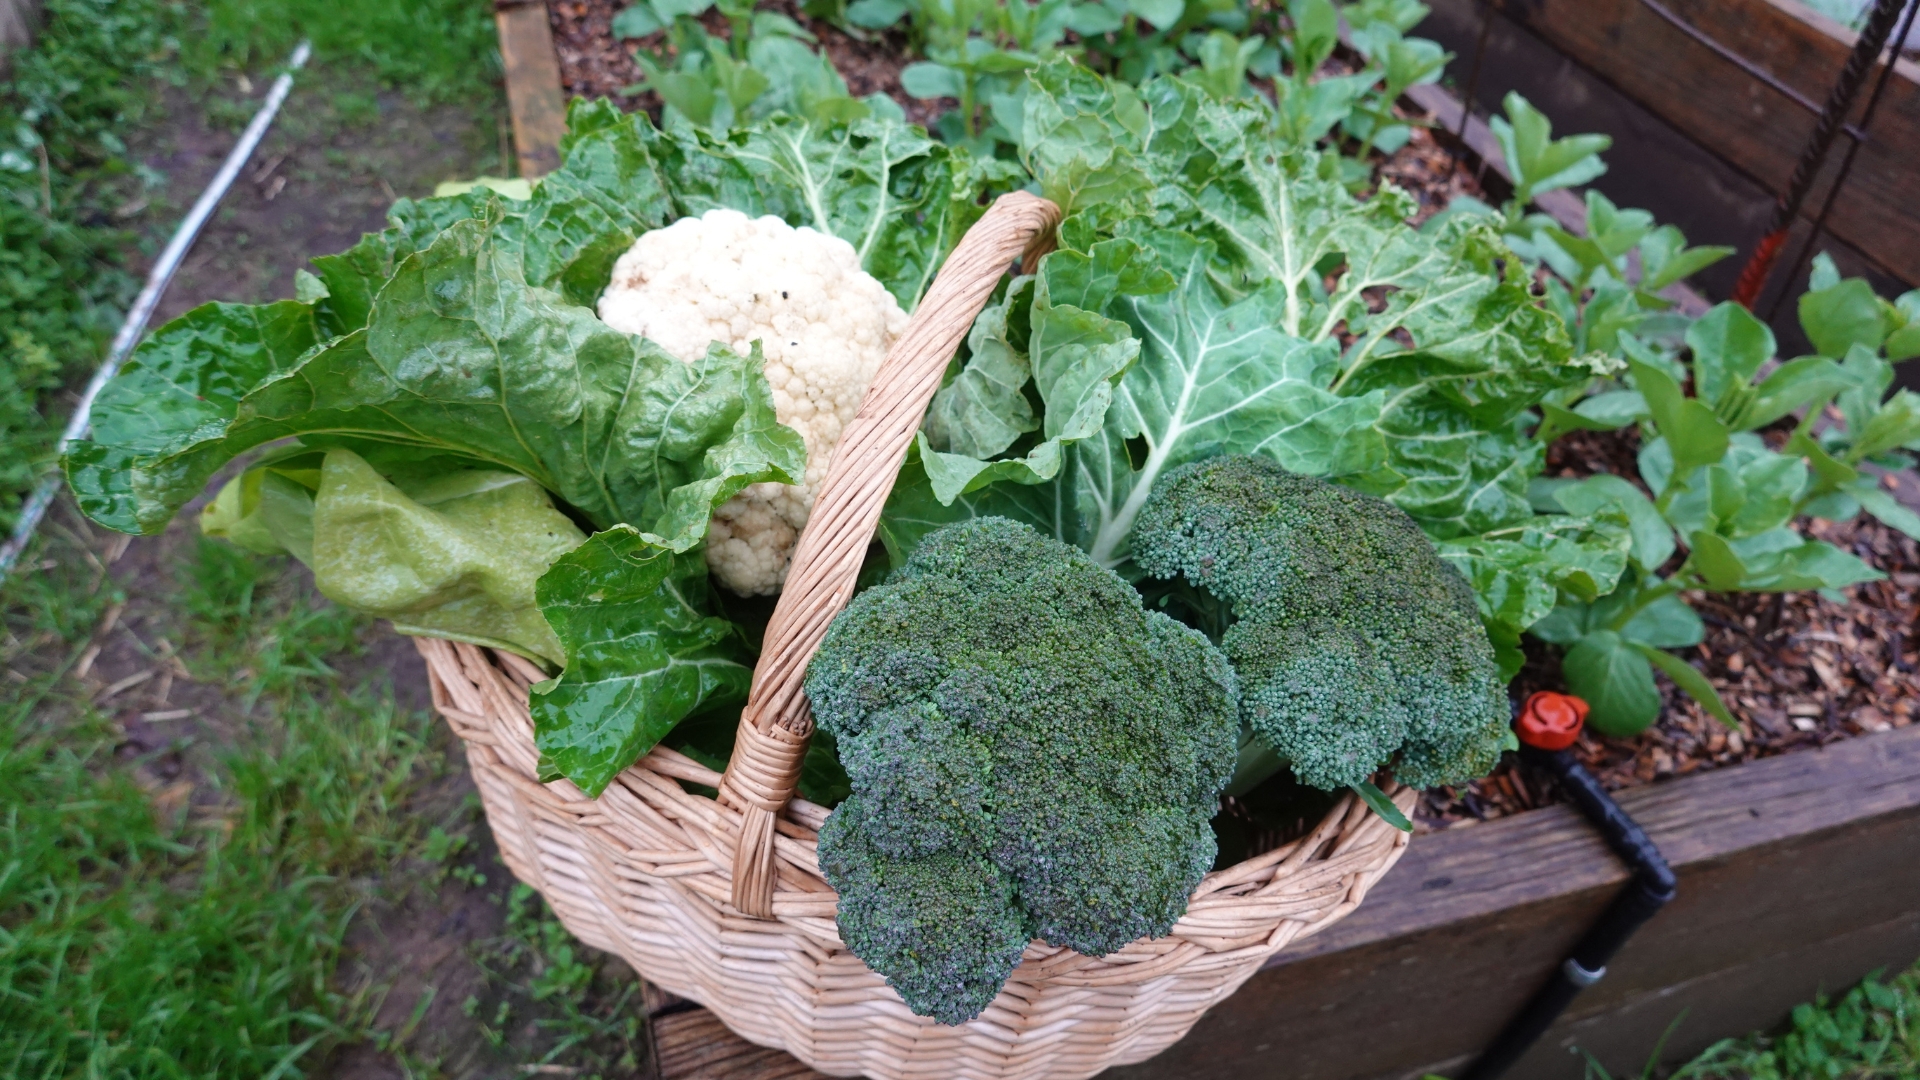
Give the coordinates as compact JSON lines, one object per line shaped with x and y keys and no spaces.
{"x":777,"y":722}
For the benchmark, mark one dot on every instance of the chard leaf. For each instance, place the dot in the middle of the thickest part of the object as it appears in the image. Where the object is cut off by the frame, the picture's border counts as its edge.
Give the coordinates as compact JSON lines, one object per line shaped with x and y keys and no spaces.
{"x":463,"y":357}
{"x":642,"y":654}
{"x":456,"y":556}
{"x":175,"y":397}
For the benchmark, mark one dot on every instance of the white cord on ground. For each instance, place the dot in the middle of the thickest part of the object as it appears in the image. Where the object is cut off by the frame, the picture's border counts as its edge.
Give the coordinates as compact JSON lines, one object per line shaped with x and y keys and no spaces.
{"x":149,"y":298}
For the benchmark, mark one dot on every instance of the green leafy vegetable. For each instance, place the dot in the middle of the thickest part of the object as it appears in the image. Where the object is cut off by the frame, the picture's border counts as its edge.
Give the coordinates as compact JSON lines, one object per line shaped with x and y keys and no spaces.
{"x":1241,"y":346}
{"x":642,"y":653}
{"x":456,"y":407}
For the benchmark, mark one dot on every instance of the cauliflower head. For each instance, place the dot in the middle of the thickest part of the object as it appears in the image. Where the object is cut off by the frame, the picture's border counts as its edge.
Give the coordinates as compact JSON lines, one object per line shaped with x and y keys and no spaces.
{"x":823,"y":325}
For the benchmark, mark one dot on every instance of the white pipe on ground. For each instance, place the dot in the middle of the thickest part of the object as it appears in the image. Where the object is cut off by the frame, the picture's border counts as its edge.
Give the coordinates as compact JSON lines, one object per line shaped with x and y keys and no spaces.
{"x":157,"y":280}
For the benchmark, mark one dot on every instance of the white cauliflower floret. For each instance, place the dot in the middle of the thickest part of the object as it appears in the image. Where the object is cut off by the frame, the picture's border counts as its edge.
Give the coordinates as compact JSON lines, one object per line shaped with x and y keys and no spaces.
{"x":823,"y":324}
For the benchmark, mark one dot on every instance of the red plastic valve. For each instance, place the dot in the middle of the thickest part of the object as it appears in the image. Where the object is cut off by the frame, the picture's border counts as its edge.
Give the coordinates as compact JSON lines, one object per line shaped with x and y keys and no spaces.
{"x":1551,"y":721}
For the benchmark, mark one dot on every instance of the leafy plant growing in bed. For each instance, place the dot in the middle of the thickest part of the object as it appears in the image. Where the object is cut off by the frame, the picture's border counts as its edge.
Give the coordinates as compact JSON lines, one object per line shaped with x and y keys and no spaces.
{"x":764,"y":66}
{"x":1604,"y":283}
{"x":1722,"y":502}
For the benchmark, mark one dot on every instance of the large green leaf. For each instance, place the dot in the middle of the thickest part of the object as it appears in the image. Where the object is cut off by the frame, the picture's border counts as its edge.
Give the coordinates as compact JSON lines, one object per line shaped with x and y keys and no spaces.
{"x":1616,"y":681}
{"x":1729,"y":345}
{"x":178,"y":393}
{"x":462,"y":356}
{"x":1213,"y":378}
{"x":643,"y":653}
{"x":1842,"y":315}
{"x":456,"y":556}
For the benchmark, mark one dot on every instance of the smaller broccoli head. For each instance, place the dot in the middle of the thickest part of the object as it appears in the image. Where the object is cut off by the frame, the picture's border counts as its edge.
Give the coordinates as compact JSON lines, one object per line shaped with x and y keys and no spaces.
{"x":1032,"y":754}
{"x":1356,"y":646}
{"x":945,"y":928}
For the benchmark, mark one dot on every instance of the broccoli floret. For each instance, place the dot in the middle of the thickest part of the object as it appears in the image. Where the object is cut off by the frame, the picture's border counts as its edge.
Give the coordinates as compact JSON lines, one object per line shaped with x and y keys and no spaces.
{"x":1033,"y":754}
{"x":1355,"y":645}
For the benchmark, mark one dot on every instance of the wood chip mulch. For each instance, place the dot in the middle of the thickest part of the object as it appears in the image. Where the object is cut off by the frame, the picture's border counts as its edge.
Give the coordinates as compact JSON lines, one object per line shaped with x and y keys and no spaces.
{"x":1797,"y":670}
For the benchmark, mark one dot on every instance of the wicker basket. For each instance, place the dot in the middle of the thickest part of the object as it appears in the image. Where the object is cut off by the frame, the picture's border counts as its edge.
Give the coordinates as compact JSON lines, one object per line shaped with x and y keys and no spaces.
{"x":722,"y":900}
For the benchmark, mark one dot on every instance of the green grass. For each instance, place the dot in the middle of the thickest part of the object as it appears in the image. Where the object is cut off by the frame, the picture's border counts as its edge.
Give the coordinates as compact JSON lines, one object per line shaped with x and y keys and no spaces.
{"x":438,"y":50}
{"x":71,"y":195}
{"x":71,"y":101}
{"x":1871,"y":1033}
{"x":150,"y":932}
{"x":183,"y":910}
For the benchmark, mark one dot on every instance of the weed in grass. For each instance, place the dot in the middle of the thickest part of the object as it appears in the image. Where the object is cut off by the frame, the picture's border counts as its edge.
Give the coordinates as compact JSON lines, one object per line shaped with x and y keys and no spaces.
{"x":1871,"y":1033}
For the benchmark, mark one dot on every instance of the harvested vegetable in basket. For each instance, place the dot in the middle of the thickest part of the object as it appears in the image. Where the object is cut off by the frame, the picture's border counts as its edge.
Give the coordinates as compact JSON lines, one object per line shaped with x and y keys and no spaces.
{"x":428,"y":372}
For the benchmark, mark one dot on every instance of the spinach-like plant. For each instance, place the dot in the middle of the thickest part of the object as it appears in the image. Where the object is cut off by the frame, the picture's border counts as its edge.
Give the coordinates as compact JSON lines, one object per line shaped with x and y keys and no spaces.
{"x":1379,"y":34}
{"x":764,"y":66}
{"x":1721,"y":498}
{"x":1608,"y":281}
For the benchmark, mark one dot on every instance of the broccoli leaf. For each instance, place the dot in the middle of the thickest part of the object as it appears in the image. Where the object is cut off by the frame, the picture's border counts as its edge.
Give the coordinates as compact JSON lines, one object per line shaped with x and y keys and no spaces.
{"x":642,"y":653}
{"x":1302,"y":325}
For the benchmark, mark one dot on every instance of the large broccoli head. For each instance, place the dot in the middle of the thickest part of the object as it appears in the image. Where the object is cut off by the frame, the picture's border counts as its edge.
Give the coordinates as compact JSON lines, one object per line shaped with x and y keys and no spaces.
{"x":1033,"y":754}
{"x":1356,"y":646}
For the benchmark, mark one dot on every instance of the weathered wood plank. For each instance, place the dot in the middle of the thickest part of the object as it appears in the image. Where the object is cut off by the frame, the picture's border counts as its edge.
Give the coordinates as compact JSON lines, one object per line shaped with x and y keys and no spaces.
{"x":534,"y":97}
{"x":1739,"y":118}
{"x":695,"y":1045}
{"x":1782,"y":863}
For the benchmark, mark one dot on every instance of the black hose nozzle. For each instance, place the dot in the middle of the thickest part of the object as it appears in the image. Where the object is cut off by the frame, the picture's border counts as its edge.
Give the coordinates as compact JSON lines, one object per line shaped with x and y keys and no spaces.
{"x":1652,"y":886}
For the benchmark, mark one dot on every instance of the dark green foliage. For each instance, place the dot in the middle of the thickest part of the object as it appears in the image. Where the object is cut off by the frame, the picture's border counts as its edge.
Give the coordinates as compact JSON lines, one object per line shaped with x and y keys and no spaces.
{"x":437,"y":50}
{"x":64,"y":110}
{"x":1032,"y":754}
{"x":1356,"y":646}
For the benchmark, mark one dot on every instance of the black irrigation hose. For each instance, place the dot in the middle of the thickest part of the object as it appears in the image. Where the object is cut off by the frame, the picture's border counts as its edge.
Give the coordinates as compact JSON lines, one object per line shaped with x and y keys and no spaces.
{"x":1653,"y":885}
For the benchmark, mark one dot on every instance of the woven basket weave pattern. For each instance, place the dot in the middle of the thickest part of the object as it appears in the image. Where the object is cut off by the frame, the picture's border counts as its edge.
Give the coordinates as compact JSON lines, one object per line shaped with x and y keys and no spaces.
{"x":721,"y":900}
{"x":645,"y":872}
